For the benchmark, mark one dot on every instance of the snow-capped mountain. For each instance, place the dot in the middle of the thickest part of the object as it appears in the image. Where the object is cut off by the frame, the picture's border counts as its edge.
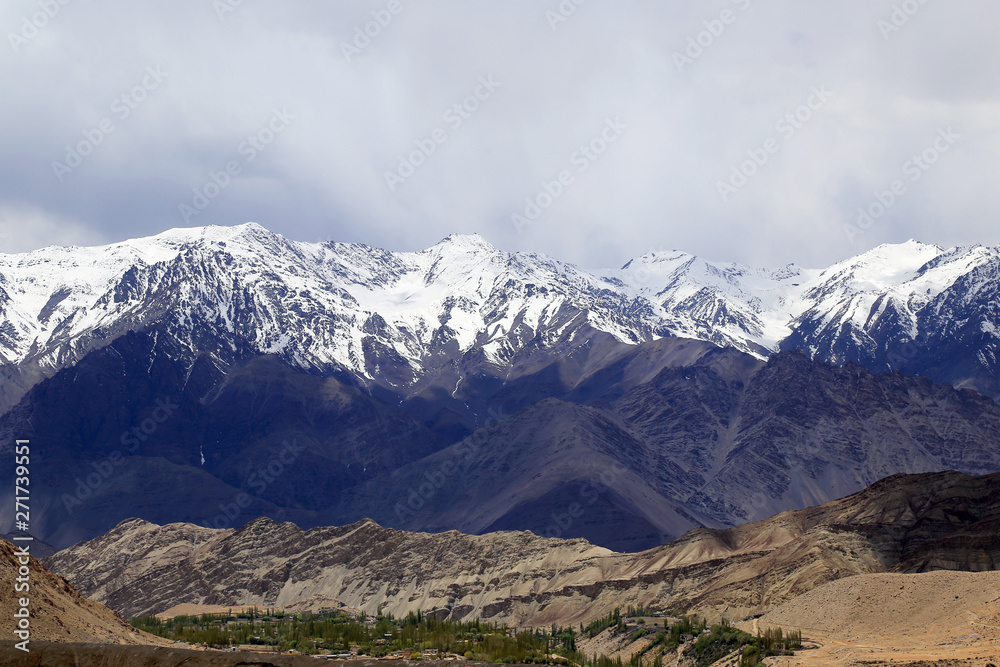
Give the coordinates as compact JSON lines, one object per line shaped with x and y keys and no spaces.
{"x":396,"y":318}
{"x":911,"y":307}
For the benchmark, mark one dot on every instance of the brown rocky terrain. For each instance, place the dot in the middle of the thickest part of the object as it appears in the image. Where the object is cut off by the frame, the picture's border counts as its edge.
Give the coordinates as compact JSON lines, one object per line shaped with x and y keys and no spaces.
{"x":58,"y":613}
{"x":910,"y":523}
{"x":39,"y":548}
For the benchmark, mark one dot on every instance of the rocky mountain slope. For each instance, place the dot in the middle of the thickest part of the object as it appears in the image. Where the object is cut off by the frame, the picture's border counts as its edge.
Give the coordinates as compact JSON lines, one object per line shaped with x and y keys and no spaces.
{"x":904,"y":607}
{"x":715,"y":442}
{"x":58,"y":612}
{"x":903,"y":523}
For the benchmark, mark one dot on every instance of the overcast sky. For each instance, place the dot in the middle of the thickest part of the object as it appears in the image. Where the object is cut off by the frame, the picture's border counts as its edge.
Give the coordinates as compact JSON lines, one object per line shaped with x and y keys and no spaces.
{"x":120,"y":119}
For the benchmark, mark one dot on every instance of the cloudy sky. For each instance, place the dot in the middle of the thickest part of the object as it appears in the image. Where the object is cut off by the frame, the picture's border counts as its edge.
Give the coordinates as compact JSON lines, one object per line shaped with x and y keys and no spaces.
{"x":594,"y":131}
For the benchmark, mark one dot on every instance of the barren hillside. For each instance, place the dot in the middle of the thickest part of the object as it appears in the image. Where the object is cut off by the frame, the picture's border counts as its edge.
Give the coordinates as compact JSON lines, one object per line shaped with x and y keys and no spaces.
{"x":58,"y":613}
{"x":896,"y":618}
{"x":904,"y":523}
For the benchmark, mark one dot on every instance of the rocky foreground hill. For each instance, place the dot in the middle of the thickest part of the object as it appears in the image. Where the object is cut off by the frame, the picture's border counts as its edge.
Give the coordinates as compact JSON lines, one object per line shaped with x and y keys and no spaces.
{"x":58,"y":613}
{"x":904,"y":523}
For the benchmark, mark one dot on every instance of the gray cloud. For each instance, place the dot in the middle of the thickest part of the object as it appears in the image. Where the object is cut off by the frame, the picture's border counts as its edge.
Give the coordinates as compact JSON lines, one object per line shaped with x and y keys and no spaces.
{"x":690,"y":121}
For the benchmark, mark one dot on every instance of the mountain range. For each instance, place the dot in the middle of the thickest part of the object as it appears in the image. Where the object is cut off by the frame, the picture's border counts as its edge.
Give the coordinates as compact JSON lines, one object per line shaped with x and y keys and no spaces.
{"x":405,"y":320}
{"x":214,"y":375}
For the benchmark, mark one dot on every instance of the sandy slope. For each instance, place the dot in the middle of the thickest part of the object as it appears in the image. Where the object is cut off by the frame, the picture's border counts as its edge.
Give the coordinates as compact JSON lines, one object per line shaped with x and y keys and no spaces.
{"x":896,"y":618}
{"x":617,"y":646}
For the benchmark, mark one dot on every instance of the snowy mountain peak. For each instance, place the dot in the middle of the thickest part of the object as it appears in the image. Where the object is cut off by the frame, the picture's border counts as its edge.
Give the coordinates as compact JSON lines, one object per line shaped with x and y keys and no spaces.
{"x":465,"y":243}
{"x":209,"y":234}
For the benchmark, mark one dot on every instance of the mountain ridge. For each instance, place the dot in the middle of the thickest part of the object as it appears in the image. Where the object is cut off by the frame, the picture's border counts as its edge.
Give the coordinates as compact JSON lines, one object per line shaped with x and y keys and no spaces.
{"x":522,"y":578}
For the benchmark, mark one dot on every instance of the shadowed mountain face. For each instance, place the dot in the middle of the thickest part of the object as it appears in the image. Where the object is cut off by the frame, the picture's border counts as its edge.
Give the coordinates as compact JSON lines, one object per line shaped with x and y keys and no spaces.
{"x":715,"y":442}
{"x":132,"y":430}
{"x":903,"y":523}
{"x":627,"y":446}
